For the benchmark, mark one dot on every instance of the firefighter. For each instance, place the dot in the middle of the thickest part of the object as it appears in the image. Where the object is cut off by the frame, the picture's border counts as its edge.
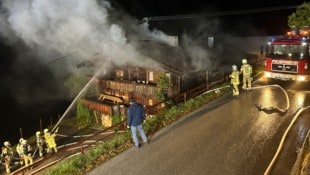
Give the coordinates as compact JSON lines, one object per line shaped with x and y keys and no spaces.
{"x":234,"y":80}
{"x":40,"y":143}
{"x":50,"y":141}
{"x":7,"y":155}
{"x":45,"y":136}
{"x":246,"y":71}
{"x":19,"y":150}
{"x":45,"y":131}
{"x":26,"y":153}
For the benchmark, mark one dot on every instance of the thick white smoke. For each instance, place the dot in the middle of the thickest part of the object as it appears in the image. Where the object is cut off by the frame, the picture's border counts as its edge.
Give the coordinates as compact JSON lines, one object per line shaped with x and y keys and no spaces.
{"x":62,"y":26}
{"x":55,"y":28}
{"x":200,"y":56}
{"x":58,"y":30}
{"x":58,"y":34}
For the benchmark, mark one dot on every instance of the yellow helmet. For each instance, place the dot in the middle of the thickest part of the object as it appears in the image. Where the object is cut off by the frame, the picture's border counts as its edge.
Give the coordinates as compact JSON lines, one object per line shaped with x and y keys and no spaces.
{"x":244,"y":61}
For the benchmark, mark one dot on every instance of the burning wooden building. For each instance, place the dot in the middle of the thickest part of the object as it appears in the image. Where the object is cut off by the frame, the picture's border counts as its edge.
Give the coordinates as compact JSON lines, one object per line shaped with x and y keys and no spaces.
{"x":148,"y":85}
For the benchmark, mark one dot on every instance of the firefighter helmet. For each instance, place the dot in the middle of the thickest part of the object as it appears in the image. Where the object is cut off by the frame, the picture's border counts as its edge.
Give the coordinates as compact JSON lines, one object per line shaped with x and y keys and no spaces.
{"x":7,"y":143}
{"x":45,"y":130}
{"x":21,"y":140}
{"x":234,"y":67}
{"x":38,"y":133}
{"x":244,"y":61}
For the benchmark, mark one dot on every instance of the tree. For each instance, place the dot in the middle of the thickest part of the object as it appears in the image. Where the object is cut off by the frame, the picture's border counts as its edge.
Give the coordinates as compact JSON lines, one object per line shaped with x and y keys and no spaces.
{"x":162,"y":84}
{"x":75,"y":84}
{"x":301,"y":17}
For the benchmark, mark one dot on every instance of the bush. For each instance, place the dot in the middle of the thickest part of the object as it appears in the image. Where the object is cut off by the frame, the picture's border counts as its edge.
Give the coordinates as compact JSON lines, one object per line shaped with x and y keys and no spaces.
{"x":84,"y":116}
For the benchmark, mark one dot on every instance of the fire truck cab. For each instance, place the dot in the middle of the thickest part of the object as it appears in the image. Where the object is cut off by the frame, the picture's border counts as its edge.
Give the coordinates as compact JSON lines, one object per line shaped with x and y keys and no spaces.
{"x":287,"y":57}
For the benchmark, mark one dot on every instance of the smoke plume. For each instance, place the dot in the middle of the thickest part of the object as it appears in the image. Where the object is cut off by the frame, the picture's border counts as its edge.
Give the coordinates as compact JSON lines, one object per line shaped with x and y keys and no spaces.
{"x":51,"y":37}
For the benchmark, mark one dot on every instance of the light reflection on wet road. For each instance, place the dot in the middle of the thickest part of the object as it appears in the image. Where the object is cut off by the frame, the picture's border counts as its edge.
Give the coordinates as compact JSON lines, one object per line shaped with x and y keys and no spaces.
{"x":299,"y":97}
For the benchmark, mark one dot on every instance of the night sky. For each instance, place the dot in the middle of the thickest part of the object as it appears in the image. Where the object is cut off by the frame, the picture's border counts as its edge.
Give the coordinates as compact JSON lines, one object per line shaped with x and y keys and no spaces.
{"x":268,"y":17}
{"x":24,"y":78}
{"x":23,"y":83}
{"x":141,"y":8}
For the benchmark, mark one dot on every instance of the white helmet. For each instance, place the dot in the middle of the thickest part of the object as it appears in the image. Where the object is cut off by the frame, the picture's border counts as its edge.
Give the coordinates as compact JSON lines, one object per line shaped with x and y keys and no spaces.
{"x":21,"y":140}
{"x":234,"y":67}
{"x":45,"y":130}
{"x":7,"y":143}
{"x":244,"y":61}
{"x":38,"y":133}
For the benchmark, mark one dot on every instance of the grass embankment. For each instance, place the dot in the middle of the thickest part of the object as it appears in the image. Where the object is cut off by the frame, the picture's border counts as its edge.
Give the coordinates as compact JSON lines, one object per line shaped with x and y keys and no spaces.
{"x":82,"y":163}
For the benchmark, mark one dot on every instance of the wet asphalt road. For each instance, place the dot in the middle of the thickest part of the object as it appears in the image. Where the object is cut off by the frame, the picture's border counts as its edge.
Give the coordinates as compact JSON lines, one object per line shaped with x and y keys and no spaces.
{"x":229,"y":136}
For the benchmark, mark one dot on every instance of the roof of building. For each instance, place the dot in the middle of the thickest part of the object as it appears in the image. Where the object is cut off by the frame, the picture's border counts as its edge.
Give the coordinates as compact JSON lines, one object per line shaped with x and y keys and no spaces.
{"x":168,"y":57}
{"x":172,"y":58}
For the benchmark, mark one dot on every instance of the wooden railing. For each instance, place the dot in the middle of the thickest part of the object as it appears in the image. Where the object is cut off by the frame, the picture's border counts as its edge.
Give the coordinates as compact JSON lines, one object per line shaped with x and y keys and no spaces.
{"x":184,"y":96}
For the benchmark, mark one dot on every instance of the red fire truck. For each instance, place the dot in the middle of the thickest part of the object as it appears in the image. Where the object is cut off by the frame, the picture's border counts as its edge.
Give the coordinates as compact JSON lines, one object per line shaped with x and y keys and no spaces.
{"x":287,"y":57}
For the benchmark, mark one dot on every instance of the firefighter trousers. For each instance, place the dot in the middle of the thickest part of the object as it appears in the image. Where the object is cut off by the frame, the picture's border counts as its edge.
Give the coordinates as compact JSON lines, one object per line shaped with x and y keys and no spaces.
{"x":247,"y":82}
{"x":7,"y":162}
{"x":235,"y":89}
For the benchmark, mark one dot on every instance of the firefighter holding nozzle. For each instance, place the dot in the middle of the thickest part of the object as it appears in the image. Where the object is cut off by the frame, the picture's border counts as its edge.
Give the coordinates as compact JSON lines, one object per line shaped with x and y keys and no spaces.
{"x":246,"y":71}
{"x":50,"y":141}
{"x":234,"y":80}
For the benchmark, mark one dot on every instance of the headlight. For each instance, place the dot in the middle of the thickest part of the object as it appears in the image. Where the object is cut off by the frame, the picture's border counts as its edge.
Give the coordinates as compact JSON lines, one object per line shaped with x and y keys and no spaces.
{"x":267,"y":74}
{"x":301,"y":78}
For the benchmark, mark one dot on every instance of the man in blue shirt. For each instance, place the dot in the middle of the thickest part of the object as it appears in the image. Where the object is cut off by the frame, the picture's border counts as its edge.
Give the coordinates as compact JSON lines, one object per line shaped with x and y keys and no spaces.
{"x":135,"y":118}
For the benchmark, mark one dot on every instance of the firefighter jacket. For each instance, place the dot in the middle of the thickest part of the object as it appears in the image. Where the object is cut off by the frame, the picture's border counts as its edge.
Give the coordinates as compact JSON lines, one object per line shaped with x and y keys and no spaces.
{"x":40,"y":140}
{"x":50,"y":140}
{"x":26,"y":149}
{"x":234,"y":77}
{"x":7,"y":152}
{"x":246,"y":69}
{"x":135,"y":114}
{"x":19,"y":149}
